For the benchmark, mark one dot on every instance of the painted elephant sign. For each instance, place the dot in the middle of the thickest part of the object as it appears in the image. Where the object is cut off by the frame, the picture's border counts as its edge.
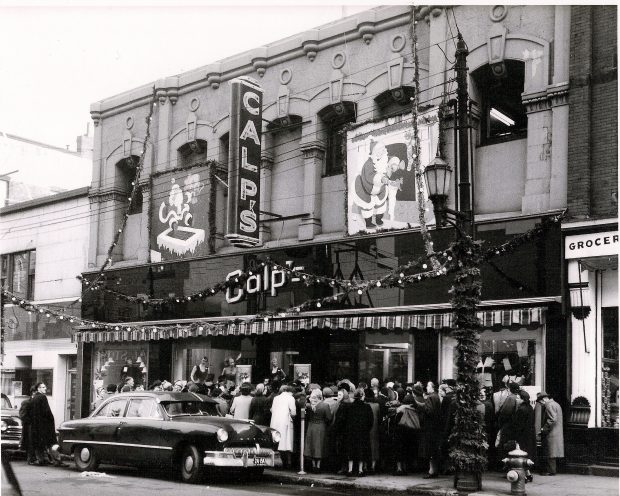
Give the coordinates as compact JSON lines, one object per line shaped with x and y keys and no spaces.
{"x":179,"y":214}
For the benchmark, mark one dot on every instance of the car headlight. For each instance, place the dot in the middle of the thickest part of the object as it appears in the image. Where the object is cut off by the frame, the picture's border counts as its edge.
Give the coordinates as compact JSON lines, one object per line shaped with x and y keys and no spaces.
{"x":222,"y":435}
{"x":3,"y":426}
{"x":275,"y":435}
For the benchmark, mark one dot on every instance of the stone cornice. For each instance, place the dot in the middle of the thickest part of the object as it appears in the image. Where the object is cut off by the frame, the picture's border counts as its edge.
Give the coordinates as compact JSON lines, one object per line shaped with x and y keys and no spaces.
{"x":364,"y":25}
{"x":554,"y":96}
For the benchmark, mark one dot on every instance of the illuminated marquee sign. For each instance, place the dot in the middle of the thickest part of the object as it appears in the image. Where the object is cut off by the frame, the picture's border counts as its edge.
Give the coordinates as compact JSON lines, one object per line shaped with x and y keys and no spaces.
{"x":244,"y":163}
{"x":265,"y":279}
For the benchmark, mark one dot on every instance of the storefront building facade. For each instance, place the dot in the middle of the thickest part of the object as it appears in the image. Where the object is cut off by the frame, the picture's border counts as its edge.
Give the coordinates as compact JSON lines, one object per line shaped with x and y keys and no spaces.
{"x":40,"y":266}
{"x":590,"y":243}
{"x":329,"y":96}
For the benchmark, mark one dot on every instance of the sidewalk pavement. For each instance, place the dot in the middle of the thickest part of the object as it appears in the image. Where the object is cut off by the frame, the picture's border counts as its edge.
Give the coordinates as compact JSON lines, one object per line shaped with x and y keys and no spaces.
{"x":493,"y":484}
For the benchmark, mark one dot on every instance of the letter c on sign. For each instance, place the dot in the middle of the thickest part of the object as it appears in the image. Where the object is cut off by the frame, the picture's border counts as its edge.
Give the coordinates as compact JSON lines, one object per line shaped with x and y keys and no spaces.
{"x":250,"y":95}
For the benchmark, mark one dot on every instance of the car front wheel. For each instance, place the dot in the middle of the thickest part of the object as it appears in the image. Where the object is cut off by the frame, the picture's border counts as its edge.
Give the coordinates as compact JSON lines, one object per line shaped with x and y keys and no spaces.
{"x":85,"y":458}
{"x":191,"y":465}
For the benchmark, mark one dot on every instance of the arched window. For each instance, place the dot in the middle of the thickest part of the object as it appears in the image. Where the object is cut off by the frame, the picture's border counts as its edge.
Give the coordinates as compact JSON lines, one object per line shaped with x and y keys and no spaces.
{"x":192,"y":153}
{"x":503,"y":116}
{"x":336,"y":117}
{"x":127,"y":173}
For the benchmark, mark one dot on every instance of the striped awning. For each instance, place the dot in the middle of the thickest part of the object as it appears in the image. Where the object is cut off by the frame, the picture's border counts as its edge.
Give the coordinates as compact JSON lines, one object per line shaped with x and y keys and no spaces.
{"x":514,"y":318}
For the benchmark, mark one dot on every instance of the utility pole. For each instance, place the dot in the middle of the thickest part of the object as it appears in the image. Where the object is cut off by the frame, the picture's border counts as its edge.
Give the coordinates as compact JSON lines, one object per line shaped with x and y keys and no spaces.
{"x":467,"y":221}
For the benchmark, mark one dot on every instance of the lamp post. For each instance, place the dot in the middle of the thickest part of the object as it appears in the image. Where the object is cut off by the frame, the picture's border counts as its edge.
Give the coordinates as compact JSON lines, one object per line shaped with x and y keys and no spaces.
{"x":467,"y":441}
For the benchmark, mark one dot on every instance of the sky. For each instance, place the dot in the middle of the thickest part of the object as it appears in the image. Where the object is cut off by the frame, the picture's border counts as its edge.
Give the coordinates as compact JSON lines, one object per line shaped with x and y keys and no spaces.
{"x":57,"y":60}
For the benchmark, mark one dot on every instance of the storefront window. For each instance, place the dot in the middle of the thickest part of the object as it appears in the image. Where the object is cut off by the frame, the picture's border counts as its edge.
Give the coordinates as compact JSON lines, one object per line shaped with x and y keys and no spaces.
{"x":508,"y":356}
{"x":113,"y":364}
{"x":610,"y":367}
{"x":386,"y":357}
{"x":30,"y":377}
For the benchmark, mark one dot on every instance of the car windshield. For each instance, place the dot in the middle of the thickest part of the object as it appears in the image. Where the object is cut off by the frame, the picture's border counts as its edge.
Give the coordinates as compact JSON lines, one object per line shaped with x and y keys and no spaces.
{"x":5,"y":403}
{"x":176,"y":408}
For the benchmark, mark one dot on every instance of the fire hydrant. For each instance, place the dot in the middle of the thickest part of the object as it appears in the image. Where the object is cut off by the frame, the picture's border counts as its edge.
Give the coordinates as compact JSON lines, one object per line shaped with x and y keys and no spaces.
{"x":517,"y":464}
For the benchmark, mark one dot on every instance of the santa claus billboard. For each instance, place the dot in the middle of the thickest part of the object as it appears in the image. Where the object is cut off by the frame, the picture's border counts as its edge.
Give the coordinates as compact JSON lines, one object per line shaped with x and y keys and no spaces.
{"x":381,"y":185}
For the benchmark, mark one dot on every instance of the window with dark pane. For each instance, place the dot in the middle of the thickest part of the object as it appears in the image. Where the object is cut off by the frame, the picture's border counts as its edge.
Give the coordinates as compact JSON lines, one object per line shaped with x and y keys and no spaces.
{"x":503,"y":116}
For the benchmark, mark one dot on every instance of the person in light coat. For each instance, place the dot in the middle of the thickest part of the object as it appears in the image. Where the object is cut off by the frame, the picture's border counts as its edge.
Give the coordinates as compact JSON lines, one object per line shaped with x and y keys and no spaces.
{"x":552,"y":434}
{"x":283,"y":410}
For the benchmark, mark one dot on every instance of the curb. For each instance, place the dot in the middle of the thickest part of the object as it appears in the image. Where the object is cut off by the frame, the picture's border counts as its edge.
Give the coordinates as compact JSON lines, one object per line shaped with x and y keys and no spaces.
{"x":359,"y":485}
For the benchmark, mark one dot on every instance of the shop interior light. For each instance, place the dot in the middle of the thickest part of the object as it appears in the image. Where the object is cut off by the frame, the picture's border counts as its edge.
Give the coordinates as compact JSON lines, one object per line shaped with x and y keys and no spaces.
{"x":503,"y":118}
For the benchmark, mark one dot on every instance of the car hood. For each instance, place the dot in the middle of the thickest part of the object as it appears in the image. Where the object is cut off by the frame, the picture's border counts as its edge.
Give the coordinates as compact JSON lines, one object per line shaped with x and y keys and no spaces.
{"x":9,"y":412}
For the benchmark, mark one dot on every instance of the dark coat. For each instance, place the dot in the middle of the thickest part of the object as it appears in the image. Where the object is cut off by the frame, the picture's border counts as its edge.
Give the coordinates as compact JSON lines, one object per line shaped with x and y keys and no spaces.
{"x":260,"y":410}
{"x":521,"y":429}
{"x":43,"y":429}
{"x":25,"y":414}
{"x":358,"y":420}
{"x":447,"y":412}
{"x":431,"y":426}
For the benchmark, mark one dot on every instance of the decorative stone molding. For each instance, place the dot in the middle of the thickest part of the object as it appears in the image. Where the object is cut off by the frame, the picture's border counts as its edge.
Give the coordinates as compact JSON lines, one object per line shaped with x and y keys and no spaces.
{"x":161,"y":96}
{"x":558,"y":96}
{"x":194,"y":104}
{"x":259,"y":61}
{"x":106,"y":196}
{"x":338,"y":60}
{"x":313,"y":150}
{"x":366,"y":25}
{"x":129,"y":122}
{"x":283,"y":102}
{"x":214,"y":76}
{"x":498,"y":13}
{"x":173,"y":95}
{"x":310,"y":43}
{"x":496,"y":46}
{"x":536,"y":102}
{"x":286,"y":75}
{"x":95,"y":115}
{"x":398,"y":42}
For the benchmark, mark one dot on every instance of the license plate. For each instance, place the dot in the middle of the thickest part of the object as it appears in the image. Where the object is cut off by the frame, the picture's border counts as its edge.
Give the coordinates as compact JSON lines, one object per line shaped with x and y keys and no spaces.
{"x":260,"y":461}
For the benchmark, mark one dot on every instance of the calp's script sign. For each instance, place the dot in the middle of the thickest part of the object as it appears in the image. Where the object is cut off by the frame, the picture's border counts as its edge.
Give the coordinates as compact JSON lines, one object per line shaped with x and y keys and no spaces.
{"x":244,"y":163}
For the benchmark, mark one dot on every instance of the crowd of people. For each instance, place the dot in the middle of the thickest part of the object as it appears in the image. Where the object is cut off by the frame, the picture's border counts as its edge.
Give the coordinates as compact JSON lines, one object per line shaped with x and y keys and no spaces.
{"x":378,"y":426}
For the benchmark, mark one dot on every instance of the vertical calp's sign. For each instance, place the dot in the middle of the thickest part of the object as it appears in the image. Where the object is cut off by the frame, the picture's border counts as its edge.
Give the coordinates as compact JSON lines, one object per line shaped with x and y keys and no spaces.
{"x":244,"y":162}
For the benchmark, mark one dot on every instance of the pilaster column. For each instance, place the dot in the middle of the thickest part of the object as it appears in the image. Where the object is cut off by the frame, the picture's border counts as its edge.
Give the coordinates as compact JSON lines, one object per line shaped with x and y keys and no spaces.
{"x":313,"y":156}
{"x":164,"y":117}
{"x":538,"y":158}
{"x":266,"y":168}
{"x":97,"y":171}
{"x":143,"y":254}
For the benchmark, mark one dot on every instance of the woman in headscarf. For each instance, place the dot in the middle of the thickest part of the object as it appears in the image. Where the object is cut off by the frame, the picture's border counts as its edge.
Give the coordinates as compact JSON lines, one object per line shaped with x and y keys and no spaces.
{"x":318,"y":416}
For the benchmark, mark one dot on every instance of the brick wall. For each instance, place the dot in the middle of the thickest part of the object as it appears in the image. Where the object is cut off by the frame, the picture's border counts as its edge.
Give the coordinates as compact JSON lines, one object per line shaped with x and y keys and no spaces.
{"x":593,"y":130}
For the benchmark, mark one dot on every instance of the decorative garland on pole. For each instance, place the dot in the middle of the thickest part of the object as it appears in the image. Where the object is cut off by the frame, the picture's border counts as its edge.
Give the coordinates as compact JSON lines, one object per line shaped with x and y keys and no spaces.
{"x":413,"y":152}
{"x":467,"y":440}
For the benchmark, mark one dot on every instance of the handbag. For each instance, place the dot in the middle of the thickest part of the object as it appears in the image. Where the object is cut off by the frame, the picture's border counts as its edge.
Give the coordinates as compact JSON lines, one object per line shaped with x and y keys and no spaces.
{"x":409,"y":419}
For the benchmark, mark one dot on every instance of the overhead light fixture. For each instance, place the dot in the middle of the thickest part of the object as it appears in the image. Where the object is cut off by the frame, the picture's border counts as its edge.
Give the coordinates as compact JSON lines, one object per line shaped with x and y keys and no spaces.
{"x":503,"y":118}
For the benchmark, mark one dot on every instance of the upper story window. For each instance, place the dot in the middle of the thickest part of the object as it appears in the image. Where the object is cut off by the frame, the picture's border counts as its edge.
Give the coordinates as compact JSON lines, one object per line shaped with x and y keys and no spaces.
{"x":503,"y":115}
{"x":192,"y":153}
{"x":18,"y":271}
{"x":336,"y":117}
{"x":127,"y":173}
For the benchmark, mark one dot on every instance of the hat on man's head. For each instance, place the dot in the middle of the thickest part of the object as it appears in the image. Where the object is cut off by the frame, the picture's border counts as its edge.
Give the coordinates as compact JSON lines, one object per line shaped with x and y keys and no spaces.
{"x":514,"y":387}
{"x":390,"y":385}
{"x":541,"y":395}
{"x":327,"y":392}
{"x":418,"y":389}
{"x":450,"y":382}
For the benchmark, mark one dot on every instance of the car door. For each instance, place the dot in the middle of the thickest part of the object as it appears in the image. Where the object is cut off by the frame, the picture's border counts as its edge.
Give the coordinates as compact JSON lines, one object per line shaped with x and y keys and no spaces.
{"x":102,"y":429}
{"x":142,"y":433}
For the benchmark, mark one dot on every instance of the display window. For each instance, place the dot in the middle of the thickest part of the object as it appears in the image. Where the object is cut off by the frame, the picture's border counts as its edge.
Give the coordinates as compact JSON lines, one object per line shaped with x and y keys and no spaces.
{"x":610,"y":367}
{"x":112,"y":364}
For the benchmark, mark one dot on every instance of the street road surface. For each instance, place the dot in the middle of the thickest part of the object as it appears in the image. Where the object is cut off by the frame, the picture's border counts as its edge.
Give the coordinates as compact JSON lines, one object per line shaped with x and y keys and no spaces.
{"x":121,"y":481}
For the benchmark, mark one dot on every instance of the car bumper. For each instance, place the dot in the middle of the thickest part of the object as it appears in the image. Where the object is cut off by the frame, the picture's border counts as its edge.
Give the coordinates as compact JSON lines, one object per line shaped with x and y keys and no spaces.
{"x":243,"y":458}
{"x":12,"y":444}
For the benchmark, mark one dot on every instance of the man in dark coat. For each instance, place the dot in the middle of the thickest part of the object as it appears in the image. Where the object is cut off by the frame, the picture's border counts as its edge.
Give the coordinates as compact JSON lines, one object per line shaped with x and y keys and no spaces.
{"x":552,"y":434}
{"x":447,"y":412}
{"x":430,"y":441}
{"x":43,"y":429}
{"x":25,"y":414}
{"x":357,"y":424}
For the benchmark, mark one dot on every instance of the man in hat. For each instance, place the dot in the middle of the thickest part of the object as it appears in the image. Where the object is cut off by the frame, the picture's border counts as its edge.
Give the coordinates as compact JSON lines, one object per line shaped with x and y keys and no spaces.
{"x":552,"y":434}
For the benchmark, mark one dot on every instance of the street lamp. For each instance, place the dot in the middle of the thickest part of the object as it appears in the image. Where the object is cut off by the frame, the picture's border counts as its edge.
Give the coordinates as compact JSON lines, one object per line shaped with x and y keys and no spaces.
{"x":467,"y":440}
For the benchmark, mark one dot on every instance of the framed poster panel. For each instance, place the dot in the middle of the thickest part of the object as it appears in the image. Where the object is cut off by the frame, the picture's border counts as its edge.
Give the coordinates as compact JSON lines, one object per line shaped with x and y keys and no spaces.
{"x":244,"y":374}
{"x":381,"y":185}
{"x":179,"y":214}
{"x":303,"y":373}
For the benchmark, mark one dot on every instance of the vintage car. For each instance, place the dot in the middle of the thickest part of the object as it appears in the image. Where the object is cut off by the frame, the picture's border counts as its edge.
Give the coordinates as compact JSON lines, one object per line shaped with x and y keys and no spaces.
{"x":10,"y":426}
{"x":168,"y":428}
